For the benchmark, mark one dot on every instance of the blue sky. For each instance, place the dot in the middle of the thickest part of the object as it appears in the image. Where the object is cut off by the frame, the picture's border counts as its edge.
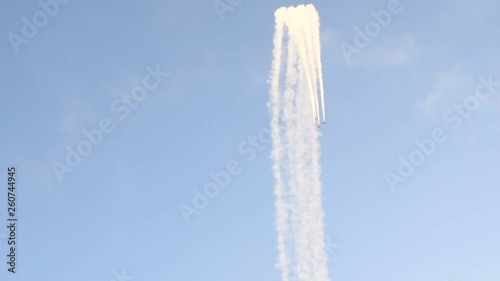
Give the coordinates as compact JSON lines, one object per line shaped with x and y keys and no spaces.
{"x":119,"y":208}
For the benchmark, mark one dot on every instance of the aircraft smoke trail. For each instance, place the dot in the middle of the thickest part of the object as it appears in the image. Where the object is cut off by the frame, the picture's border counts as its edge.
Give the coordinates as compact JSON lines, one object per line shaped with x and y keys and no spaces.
{"x":298,"y":30}
{"x":308,"y":40}
{"x":281,"y":204}
{"x":295,"y":77}
{"x":314,"y":19}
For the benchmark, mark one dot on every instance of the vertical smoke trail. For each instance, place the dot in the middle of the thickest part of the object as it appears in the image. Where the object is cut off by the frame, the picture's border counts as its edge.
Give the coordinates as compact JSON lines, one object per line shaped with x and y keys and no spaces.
{"x":295,"y":155}
{"x":308,"y":40}
{"x":274,"y":104}
{"x":311,"y":36}
{"x":314,"y":19}
{"x":295,"y":21}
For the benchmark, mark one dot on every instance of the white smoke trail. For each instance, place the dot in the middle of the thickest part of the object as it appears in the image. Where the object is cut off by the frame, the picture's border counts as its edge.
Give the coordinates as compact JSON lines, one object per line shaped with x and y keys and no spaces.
{"x":274,"y":103}
{"x":295,"y":28}
{"x":314,"y":20}
{"x":307,"y":40}
{"x":299,"y":212}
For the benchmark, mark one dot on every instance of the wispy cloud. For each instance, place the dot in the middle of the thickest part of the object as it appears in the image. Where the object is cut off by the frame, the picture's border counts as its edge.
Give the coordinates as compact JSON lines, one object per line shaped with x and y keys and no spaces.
{"x":474,"y":13}
{"x":77,"y":115}
{"x":448,"y":85}
{"x":392,"y":52}
{"x":381,"y":54}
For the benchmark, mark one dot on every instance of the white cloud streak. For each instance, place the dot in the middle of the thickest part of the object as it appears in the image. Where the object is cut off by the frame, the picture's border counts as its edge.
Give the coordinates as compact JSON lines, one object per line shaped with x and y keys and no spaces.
{"x":295,"y":78}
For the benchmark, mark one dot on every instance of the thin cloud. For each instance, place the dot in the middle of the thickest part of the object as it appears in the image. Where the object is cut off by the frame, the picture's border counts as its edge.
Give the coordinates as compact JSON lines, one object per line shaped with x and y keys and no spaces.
{"x":447,"y":87}
{"x":392,"y":52}
{"x":380,"y":54}
{"x":77,"y":115}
